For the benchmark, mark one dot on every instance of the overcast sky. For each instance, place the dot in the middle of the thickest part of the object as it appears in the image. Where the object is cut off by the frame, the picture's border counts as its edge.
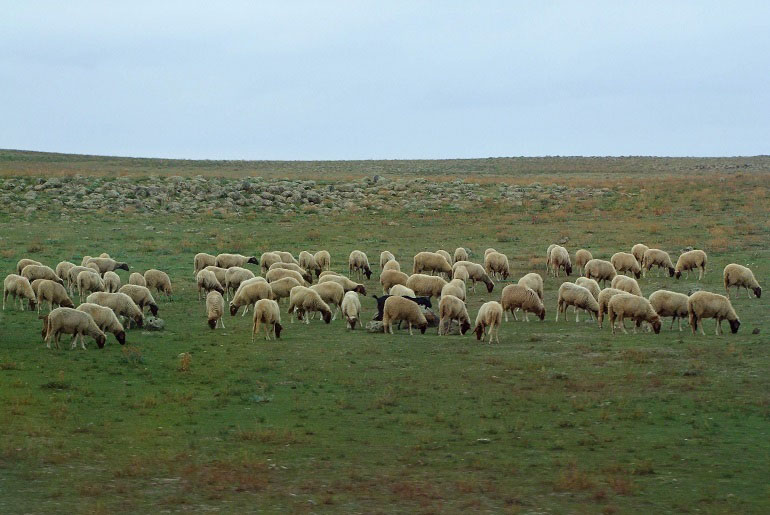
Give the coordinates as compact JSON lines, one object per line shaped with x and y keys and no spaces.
{"x":365,"y":80}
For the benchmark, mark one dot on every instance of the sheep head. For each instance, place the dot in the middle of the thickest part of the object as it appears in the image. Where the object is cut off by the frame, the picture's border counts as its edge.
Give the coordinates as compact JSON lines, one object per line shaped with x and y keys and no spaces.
{"x":656,"y":325}
{"x":122,"y":266}
{"x":464,"y":327}
{"x":360,"y":289}
{"x":757,"y":291}
{"x":678,"y":274}
{"x":671,"y":272}
{"x":154,"y":309}
{"x":327,"y":316}
{"x":121,"y":337}
{"x":100,"y":340}
{"x":233,"y":309}
{"x":568,"y":269}
{"x":734,"y":325}
{"x":479,"y":330}
{"x":423,"y":326}
{"x":253,"y":260}
{"x":368,"y":272}
{"x":490,"y":286}
{"x":542,"y":314}
{"x":212,"y":322}
{"x":218,"y":288}
{"x":278,"y":329}
{"x":44,"y":332}
{"x":67,"y":303}
{"x":352,"y":322}
{"x":138,"y":320}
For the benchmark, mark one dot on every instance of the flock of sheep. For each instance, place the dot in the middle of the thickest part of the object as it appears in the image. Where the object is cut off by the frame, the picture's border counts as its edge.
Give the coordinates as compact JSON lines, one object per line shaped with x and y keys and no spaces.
{"x":225,"y":277}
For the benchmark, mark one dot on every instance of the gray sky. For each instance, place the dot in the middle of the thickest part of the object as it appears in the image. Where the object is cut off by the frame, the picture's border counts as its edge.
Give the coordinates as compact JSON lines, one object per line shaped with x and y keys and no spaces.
{"x":360,"y":80}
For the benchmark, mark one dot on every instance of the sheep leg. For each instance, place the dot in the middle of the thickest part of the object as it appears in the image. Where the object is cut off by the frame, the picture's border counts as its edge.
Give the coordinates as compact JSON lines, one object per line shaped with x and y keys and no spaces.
{"x":410,"y":328}
{"x":719,"y":326}
{"x":526,"y":316}
{"x":337,"y":312}
{"x":506,"y":314}
{"x":254,"y":329}
{"x":83,"y":341}
{"x":672,"y":324}
{"x":74,"y":340}
{"x":701,"y":328}
{"x":514,"y":314}
{"x":222,"y":321}
{"x":5,"y":296}
{"x":577,"y":314}
{"x":680,"y":323}
{"x":623,"y":324}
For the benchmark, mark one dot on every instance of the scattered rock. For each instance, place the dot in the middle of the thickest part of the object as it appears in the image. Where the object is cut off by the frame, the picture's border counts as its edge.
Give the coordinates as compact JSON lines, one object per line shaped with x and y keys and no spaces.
{"x":755,"y":331}
{"x":374,"y":327}
{"x":154,"y":324}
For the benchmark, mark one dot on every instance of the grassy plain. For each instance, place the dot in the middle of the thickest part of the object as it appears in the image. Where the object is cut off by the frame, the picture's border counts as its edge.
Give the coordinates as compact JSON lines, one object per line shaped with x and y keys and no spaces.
{"x":557,"y":418}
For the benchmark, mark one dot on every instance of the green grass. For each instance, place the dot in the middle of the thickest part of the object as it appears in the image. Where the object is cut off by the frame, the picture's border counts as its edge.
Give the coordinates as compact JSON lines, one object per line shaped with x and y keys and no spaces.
{"x":557,"y":418}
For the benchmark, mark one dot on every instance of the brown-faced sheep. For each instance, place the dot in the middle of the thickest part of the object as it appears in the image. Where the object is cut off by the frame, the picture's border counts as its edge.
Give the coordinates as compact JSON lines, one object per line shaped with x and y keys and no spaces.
{"x":582,"y":257}
{"x":267,"y":312}
{"x":560,"y":259}
{"x":430,"y":262}
{"x":398,"y":309}
{"x":516,"y":296}
{"x":215,"y":309}
{"x":625,"y":262}
{"x":207,"y":281}
{"x":578,"y":297}
{"x":600,"y":271}
{"x":332,"y":293}
{"x":659,"y":258}
{"x":324,"y":259}
{"x":460,"y":255}
{"x":71,"y":321}
{"x":20,"y":289}
{"x":105,"y":320}
{"x":141,"y":297}
{"x":138,"y":279}
{"x":627,"y":284}
{"x":496,"y":265}
{"x":690,"y":261}
{"x":452,"y":308}
{"x":308,"y":263}
{"x":54,"y":293}
{"x":488,"y":321}
{"x":454,"y":287}
{"x":351,"y":309}
{"x":108,"y":264}
{"x":160,"y":281}
{"x":120,"y":303}
{"x":604,"y":299}
{"x":231,"y":260}
{"x":303,"y":301}
{"x":670,"y":304}
{"x":476,"y":273}
{"x":635,"y":307}
{"x":740,"y":276}
{"x":386,"y":256}
{"x":111,"y":282}
{"x":704,"y":304}
{"x":427,"y":285}
{"x":202,"y":260}
{"x":535,"y":281}
{"x":389,"y":278}
{"x":248,"y":294}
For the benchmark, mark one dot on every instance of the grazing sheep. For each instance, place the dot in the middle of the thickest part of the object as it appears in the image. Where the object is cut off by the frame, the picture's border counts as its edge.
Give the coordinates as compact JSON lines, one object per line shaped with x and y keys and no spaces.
{"x":74,"y":322}
{"x":391,"y":265}
{"x":94,"y":267}
{"x":346,"y":283}
{"x":306,"y":275}
{"x":461,"y":273}
{"x":267,"y":259}
{"x":635,"y":307}
{"x":231,"y":260}
{"x":248,"y":294}
{"x":704,"y":304}
{"x":420,"y":301}
{"x":286,"y":257}
{"x":120,"y":303}
{"x":690,"y":261}
{"x":659,"y":258}
{"x":600,"y":271}
{"x":445,"y":255}
{"x":35,"y":285}
{"x":400,"y":290}
{"x":516,"y":296}
{"x":160,"y":281}
{"x":454,"y":287}
{"x":207,"y":281}
{"x":89,"y":282}
{"x":385,"y":256}
{"x":267,"y":312}
{"x":105,"y":320}
{"x":548,"y":257}
{"x":489,"y":251}
{"x":215,"y":309}
{"x":625,"y":262}
{"x":390,"y":278}
{"x":460,"y":255}
{"x":32,"y":272}
{"x":428,"y":285}
{"x":560,"y":259}
{"x":578,"y":297}
{"x":351,"y":309}
{"x":496,"y":265}
{"x":111,"y":282}
{"x":582,"y":257}
{"x":202,"y":260}
{"x":282,"y":287}
{"x":235,"y":275}
{"x":627,"y":284}
{"x":358,"y":262}
{"x":670,"y":304}
{"x":431,"y":262}
{"x":72,"y":276}
{"x":476,"y":273}
{"x":141,"y":297}
{"x":308,"y":262}
{"x":63,"y":271}
{"x":219,"y":273}
{"x":104,"y":255}
{"x":535,"y":281}
{"x":398,"y":309}
{"x":590,"y":285}
{"x":138,"y":279}
{"x":279,"y":273}
{"x":52,"y":292}
{"x":304,"y":301}
{"x":332,"y":293}
{"x":108,"y":264}
{"x":604,"y":299}
{"x":24,"y":262}
{"x":737,"y":275}
{"x":85,"y":260}
{"x":329,"y":272}
{"x":638,"y":251}
{"x":324,"y":259}
{"x":452,"y":308}
{"x":488,"y":321}
{"x":20,"y":288}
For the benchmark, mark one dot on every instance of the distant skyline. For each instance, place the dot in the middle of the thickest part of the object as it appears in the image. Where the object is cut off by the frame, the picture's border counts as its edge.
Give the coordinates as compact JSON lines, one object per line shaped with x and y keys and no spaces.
{"x":302,"y":80}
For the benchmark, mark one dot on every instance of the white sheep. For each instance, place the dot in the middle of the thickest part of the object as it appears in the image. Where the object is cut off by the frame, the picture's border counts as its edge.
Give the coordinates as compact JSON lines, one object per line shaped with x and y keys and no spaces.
{"x":111,"y":282}
{"x":516,"y":296}
{"x":85,"y":260}
{"x":625,"y":262}
{"x":282,"y":287}
{"x":104,"y":255}
{"x":346,"y":283}
{"x":248,"y":294}
{"x":307,"y":276}
{"x":89,"y":282}
{"x":638,"y":251}
{"x":489,"y":251}
{"x":398,"y":309}
{"x":386,"y":256}
{"x":390,"y":278}
{"x":488,"y":321}
{"x":604,"y":299}
{"x":548,"y":257}
{"x":107,"y":264}
{"x":461,"y":273}
{"x":72,"y":276}
{"x":578,"y":297}
{"x":690,"y":261}
{"x":160,"y":281}
{"x":590,"y":285}
{"x":62,"y":270}
{"x":141,"y":297}
{"x":286,"y":257}
{"x":267,"y":259}
{"x":627,"y":284}
{"x":52,"y":292}
{"x":454,"y":287}
{"x":460,"y":255}
{"x":391,"y":265}
{"x":105,"y":320}
{"x":24,"y":262}
{"x":445,"y":255}
{"x":560,"y":259}
{"x":324,"y":259}
{"x":430,"y":262}
{"x":738,"y":275}
{"x":32,"y":272}
{"x":267,"y":312}
{"x":704,"y":304}
{"x":659,"y":258}
{"x":401,"y":291}
{"x":304,"y":301}
{"x":452,"y":308}
{"x":279,"y":273}
{"x":582,"y":257}
{"x":332,"y":293}
{"x":20,"y":289}
{"x":670,"y":304}
{"x":235,"y":275}
{"x":71,"y":321}
{"x":120,"y":303}
{"x":219,"y":273}
{"x":427,"y":285}
{"x":215,"y":309}
{"x":496,"y":265}
{"x":202,"y":260}
{"x":535,"y":281}
{"x":600,"y":270}
{"x":351,"y":309}
{"x":635,"y":307}
{"x":138,"y":279}
{"x":207,"y":281}
{"x":308,"y":263}
{"x":476,"y":273}
{"x":329,"y":272}
{"x":231,"y":260}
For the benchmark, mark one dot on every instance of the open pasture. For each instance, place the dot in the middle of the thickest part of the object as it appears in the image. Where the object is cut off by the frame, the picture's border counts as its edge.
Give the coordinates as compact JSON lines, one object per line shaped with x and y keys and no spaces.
{"x":559,"y":417}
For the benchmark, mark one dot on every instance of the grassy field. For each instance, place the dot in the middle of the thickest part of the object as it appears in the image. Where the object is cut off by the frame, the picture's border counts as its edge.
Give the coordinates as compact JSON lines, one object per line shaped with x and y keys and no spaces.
{"x":559,"y":417}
